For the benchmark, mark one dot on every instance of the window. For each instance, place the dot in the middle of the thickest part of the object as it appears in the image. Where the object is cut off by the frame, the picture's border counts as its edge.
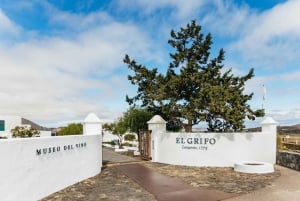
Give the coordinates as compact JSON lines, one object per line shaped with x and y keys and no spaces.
{"x":2,"y":125}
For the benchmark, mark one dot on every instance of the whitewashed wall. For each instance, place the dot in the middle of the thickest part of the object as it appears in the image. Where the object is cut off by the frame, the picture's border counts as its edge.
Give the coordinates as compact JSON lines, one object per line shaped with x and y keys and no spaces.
{"x":10,"y":123}
{"x":32,"y":168}
{"x":36,"y":167}
{"x":212,"y":149}
{"x":45,"y":133}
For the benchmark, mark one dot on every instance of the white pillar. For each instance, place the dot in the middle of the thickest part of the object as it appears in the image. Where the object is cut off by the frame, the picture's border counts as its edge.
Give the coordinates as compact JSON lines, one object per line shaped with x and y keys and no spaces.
{"x":269,"y":126}
{"x":92,"y":125}
{"x":158,"y":127}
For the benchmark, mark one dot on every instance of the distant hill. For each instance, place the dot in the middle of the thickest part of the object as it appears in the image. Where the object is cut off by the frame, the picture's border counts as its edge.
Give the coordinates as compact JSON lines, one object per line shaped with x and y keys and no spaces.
{"x":34,"y":125}
{"x":295,"y":129}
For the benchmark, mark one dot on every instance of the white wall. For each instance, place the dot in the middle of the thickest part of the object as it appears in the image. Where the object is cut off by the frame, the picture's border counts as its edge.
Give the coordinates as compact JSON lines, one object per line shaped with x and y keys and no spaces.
{"x":212,"y":149}
{"x":28,"y":174}
{"x":216,"y":150}
{"x":45,"y":133}
{"x":10,"y":123}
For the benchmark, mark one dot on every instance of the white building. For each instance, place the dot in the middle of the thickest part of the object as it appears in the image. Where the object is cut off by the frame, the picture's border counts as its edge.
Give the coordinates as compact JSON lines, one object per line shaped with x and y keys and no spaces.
{"x":8,"y":122}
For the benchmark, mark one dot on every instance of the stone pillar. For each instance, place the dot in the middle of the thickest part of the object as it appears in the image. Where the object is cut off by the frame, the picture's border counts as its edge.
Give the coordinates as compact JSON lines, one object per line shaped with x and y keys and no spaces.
{"x":157,"y":125}
{"x":269,"y":127}
{"x":92,"y":125}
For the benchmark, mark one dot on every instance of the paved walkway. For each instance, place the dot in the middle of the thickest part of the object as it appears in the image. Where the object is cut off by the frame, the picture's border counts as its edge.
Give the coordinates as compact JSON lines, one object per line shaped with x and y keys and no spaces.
{"x":165,"y":188}
{"x":111,"y":157}
{"x":285,"y":188}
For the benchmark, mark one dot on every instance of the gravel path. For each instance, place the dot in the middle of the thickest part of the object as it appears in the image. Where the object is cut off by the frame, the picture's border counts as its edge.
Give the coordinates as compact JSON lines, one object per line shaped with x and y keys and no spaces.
{"x":219,"y":178}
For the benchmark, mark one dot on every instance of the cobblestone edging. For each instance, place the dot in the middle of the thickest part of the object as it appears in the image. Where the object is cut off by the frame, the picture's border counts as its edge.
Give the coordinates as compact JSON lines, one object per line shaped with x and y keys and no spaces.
{"x":289,"y":159}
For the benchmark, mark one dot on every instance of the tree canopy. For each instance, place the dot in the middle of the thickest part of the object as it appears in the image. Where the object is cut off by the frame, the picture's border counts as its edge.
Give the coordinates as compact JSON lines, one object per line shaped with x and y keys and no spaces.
{"x":195,"y":86}
{"x":136,"y":118}
{"x":132,"y":120}
{"x":72,"y":129}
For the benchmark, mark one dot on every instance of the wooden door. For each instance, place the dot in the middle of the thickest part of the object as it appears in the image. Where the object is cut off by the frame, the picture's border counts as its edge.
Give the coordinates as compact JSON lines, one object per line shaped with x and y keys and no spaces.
{"x":145,"y":144}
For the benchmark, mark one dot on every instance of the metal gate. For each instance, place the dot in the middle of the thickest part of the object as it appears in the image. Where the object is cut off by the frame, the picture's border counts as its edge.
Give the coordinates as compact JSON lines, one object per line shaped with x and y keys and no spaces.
{"x":145,"y":144}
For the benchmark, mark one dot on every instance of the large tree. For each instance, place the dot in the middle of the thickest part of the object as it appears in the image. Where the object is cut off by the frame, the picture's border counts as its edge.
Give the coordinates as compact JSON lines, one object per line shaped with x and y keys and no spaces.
{"x":195,"y":87}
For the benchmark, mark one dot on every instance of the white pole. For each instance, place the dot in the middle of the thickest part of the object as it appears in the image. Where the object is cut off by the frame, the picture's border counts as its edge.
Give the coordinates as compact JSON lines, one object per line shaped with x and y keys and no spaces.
{"x":264,"y":96}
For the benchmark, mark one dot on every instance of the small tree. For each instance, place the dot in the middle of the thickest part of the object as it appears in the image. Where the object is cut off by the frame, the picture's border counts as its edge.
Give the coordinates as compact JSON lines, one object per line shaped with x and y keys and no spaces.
{"x":132,"y":120}
{"x":108,"y":126}
{"x":120,"y":129}
{"x":136,"y":118}
{"x":72,"y":129}
{"x":24,"y":132}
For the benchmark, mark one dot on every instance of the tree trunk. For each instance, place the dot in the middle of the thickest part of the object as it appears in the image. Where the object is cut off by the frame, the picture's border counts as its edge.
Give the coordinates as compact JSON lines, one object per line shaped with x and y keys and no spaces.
{"x":188,"y":126}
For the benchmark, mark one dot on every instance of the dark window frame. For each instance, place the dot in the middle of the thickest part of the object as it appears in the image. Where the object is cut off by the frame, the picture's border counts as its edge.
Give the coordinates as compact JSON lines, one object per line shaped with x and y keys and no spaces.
{"x":2,"y":125}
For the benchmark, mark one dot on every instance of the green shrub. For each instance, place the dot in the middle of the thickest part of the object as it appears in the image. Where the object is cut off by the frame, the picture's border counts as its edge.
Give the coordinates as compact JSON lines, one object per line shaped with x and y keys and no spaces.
{"x":127,"y":144}
{"x":129,"y":137}
{"x":24,"y":132}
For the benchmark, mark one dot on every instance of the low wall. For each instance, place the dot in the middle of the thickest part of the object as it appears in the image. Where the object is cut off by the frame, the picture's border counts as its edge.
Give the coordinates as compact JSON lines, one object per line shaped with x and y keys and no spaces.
{"x":33,"y":168}
{"x":289,"y":159}
{"x":213,"y":149}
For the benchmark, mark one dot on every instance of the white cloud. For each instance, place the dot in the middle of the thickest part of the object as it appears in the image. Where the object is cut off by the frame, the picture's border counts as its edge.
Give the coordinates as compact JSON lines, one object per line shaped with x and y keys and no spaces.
{"x":227,"y":19}
{"x":292,"y":76}
{"x":282,"y":20}
{"x":180,"y":10}
{"x":274,"y":37}
{"x":55,"y":78}
{"x":7,"y":26}
{"x":276,"y":82}
{"x":286,"y":116}
{"x":78,"y":21}
{"x":74,"y":69}
{"x":266,"y":39}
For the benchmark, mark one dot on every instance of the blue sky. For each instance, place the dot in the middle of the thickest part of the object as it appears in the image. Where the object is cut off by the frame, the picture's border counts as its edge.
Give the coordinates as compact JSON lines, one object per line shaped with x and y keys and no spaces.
{"x":61,"y":59}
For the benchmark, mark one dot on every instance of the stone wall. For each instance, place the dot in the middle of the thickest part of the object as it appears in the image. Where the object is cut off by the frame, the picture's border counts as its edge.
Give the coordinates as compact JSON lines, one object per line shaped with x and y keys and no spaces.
{"x":289,"y":159}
